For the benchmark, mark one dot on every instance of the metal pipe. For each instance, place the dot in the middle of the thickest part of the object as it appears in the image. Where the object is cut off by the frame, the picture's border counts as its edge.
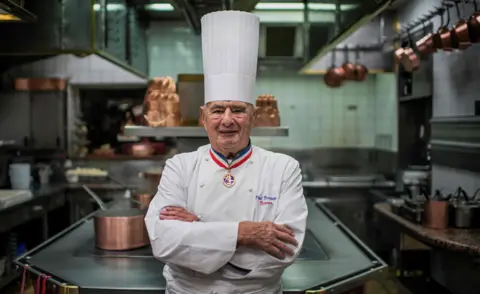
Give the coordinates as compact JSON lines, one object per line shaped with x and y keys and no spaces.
{"x":306,"y":32}
{"x":382,"y":29}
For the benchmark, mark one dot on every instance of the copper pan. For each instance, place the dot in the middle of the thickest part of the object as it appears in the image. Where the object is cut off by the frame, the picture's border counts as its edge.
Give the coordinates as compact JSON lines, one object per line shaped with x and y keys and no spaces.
{"x":152,"y":176}
{"x":40,"y":84}
{"x":142,"y":200}
{"x":335,"y":76}
{"x":445,"y":35}
{"x":118,"y":229}
{"x":459,"y":33}
{"x":474,"y":25}
{"x":399,"y":54}
{"x":361,"y":71}
{"x":410,"y":60}
{"x":425,"y":45}
{"x":348,"y":67}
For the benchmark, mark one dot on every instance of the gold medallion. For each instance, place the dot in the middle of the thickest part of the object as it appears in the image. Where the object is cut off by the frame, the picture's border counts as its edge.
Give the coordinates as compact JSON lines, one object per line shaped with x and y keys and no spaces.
{"x":228,"y":180}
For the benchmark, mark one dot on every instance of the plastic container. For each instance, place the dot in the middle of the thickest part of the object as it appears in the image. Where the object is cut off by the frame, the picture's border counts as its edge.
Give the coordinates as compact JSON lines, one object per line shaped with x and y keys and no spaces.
{"x":20,"y":176}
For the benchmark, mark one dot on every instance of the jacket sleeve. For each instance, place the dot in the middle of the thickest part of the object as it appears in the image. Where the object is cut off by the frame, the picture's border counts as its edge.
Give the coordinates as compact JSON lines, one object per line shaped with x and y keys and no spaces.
{"x":202,"y":247}
{"x":292,"y":211}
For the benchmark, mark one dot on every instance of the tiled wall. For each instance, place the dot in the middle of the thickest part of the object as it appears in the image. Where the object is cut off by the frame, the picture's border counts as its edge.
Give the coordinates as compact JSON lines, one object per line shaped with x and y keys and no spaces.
{"x":386,"y":112}
{"x":455,"y":88}
{"x":317,"y":116}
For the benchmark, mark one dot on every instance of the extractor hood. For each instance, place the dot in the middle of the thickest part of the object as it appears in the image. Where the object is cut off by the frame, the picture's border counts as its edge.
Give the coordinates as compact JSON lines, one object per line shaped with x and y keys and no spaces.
{"x":14,"y":11}
{"x":78,"y":28}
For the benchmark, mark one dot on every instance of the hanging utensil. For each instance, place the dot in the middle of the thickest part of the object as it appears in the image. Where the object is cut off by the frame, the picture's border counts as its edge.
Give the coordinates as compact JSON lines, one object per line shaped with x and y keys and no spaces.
{"x":445,"y":34}
{"x":459,"y":33}
{"x":410,"y":60}
{"x":437,"y":37}
{"x":425,"y":45}
{"x":348,"y":67}
{"x":335,"y":76}
{"x":474,"y":24}
{"x":361,"y":71}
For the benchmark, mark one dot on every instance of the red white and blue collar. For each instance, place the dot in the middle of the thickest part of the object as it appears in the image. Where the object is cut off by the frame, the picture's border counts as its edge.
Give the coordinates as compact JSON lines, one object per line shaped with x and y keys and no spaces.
{"x":229,"y":164}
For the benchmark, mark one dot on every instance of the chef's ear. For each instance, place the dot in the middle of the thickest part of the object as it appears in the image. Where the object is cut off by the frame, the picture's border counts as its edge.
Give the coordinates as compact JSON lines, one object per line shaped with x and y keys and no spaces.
{"x":203,"y":117}
{"x":255,"y":113}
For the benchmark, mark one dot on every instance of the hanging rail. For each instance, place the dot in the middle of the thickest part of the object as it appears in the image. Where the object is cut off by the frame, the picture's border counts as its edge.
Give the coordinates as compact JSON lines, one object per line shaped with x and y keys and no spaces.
{"x":412,"y":27}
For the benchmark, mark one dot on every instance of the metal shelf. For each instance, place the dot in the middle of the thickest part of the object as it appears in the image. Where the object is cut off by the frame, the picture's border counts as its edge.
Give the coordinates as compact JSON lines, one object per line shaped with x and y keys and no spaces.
{"x":196,"y":132}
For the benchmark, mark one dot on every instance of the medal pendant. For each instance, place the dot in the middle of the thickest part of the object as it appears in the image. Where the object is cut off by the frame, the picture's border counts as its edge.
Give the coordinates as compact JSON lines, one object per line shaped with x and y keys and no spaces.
{"x":228,"y":180}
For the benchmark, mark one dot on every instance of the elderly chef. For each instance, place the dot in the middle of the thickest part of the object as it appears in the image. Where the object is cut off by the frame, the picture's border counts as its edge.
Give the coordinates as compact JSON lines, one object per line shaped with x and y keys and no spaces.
{"x":228,"y":217}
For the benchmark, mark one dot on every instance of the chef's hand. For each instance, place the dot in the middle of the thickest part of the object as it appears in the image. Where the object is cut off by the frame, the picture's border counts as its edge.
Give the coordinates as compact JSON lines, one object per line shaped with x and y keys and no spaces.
{"x":177,"y":213}
{"x":267,"y":236}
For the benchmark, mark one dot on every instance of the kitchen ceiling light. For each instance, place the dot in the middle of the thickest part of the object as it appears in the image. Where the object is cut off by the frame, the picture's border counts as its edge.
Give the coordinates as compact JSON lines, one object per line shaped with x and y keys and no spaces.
{"x":159,"y":7}
{"x":300,"y":6}
{"x":110,"y":7}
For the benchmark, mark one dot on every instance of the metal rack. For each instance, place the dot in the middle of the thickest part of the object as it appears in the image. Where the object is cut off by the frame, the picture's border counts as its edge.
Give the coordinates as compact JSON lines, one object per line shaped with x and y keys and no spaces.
{"x":412,"y":28}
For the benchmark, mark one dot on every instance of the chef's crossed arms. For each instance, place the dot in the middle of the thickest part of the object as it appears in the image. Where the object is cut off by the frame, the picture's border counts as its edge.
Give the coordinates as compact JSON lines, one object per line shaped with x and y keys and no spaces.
{"x":267,"y":236}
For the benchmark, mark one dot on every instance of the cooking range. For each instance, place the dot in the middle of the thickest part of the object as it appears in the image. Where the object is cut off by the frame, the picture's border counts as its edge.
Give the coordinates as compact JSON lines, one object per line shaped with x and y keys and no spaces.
{"x":311,"y":250}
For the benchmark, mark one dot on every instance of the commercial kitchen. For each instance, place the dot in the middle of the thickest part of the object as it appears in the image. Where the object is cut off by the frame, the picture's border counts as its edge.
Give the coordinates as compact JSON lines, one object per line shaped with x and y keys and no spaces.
{"x":377,"y":101}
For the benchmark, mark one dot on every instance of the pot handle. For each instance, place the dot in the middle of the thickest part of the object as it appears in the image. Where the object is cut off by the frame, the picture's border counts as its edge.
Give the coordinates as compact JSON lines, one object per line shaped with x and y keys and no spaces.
{"x":95,"y":197}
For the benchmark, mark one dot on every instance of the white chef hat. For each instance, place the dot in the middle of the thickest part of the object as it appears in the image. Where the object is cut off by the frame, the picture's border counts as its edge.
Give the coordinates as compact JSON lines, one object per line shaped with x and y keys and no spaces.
{"x":230,"y":53}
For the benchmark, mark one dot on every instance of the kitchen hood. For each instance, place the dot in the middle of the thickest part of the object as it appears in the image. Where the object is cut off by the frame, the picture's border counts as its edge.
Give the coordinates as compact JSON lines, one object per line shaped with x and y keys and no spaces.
{"x":14,"y":11}
{"x":76,"y":28}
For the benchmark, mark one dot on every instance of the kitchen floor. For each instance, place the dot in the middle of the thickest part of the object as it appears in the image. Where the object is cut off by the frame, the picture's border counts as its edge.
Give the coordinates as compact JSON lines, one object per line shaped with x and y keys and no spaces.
{"x":388,"y":285}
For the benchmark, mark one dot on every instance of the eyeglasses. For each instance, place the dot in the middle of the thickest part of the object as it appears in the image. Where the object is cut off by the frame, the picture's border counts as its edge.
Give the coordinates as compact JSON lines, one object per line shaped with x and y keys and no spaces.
{"x":236,"y":112}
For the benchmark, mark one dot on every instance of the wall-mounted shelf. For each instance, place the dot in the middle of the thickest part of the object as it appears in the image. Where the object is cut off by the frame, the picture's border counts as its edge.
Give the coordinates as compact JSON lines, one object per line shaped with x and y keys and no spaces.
{"x":196,"y":132}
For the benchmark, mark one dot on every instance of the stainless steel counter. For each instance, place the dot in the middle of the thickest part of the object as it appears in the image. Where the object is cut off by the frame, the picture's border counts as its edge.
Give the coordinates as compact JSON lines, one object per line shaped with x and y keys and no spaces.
{"x":332,"y":259}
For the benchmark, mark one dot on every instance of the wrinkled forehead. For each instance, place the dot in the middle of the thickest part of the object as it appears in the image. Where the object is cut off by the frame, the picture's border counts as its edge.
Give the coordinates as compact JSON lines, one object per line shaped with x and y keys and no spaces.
{"x":227,"y":104}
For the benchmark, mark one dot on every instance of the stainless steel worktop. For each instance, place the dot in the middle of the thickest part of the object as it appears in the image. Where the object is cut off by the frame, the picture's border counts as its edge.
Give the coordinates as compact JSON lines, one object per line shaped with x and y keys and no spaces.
{"x":332,"y":258}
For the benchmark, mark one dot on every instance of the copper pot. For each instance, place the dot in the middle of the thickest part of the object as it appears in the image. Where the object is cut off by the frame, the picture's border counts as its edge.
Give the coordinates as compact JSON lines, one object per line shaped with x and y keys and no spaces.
{"x":361,"y":71}
{"x":425,"y":45}
{"x":410,"y":60}
{"x":142,"y":200}
{"x":459,"y":33}
{"x":335,"y":76}
{"x":162,"y":104}
{"x":399,"y":54}
{"x":446,"y":39}
{"x":118,"y":229}
{"x":140,"y":149}
{"x":444,"y":35}
{"x":349,"y":68}
{"x":474,"y":25}
{"x":153,"y":177}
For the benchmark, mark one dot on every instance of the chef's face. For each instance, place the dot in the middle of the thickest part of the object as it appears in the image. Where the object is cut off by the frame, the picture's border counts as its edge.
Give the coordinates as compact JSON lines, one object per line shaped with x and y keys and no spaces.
{"x":228,"y":124}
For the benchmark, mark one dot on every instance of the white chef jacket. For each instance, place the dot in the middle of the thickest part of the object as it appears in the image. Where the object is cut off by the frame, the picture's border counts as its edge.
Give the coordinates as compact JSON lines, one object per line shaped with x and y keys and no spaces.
{"x":199,"y":255}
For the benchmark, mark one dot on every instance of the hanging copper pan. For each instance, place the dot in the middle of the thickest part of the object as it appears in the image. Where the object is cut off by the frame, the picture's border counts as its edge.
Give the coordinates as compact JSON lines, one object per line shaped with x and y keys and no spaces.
{"x":335,"y":76}
{"x":118,"y":229}
{"x":425,"y":45}
{"x":348,"y":67}
{"x":410,"y":59}
{"x":459,"y":33}
{"x":361,"y":71}
{"x":437,"y":37}
{"x":474,"y":25}
{"x":445,"y":35}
